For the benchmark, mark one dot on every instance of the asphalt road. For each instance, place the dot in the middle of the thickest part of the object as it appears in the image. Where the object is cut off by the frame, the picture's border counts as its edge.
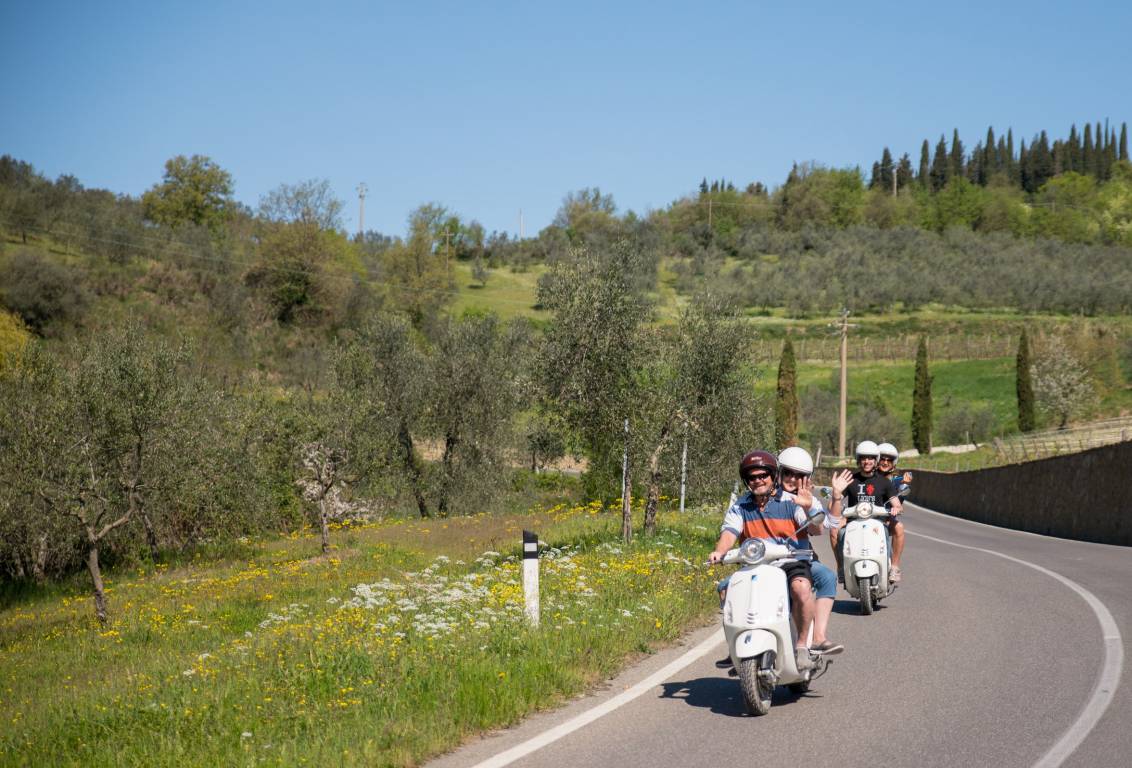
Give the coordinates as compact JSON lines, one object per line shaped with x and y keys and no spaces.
{"x":977,"y":659}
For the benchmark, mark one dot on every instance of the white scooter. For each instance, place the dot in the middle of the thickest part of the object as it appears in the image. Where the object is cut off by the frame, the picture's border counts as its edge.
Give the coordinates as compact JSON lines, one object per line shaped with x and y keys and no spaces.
{"x":757,"y":624}
{"x":866,"y":554}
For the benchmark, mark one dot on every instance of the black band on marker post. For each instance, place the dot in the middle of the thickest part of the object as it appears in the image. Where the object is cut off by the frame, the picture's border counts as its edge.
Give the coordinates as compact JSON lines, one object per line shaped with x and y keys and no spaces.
{"x":530,"y":545}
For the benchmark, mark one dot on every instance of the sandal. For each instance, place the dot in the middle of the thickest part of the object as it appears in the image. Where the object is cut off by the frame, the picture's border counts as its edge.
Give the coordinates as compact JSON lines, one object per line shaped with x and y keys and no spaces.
{"x":894,"y":574}
{"x":827,"y":648}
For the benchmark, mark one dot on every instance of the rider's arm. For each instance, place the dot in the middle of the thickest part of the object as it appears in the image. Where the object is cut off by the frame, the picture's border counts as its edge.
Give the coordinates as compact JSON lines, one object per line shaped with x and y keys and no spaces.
{"x":815,"y":529}
{"x":837,"y":503}
{"x":727,"y":539}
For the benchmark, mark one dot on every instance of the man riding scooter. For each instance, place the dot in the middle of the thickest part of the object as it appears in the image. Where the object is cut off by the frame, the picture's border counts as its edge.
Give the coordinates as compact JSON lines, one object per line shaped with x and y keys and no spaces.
{"x":866,"y":484}
{"x":763,"y":512}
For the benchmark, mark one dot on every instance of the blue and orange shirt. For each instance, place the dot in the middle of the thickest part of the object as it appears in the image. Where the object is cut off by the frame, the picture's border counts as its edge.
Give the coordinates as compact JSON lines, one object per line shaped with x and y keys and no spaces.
{"x":777,"y":521}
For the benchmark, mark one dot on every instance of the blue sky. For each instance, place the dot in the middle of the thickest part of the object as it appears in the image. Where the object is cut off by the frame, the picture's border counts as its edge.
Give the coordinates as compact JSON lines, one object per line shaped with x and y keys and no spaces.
{"x":489,"y":108}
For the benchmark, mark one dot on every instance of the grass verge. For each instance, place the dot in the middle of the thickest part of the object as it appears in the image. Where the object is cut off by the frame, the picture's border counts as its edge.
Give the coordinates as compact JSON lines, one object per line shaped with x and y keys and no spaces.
{"x":404,"y":641}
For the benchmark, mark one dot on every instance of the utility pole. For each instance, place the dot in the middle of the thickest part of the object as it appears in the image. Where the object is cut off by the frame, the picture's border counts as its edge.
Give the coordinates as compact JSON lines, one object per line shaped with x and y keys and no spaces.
{"x":895,"y":171}
{"x":520,"y":223}
{"x":362,"y":210}
{"x":709,"y":214}
{"x":843,"y":326}
{"x":447,"y":249}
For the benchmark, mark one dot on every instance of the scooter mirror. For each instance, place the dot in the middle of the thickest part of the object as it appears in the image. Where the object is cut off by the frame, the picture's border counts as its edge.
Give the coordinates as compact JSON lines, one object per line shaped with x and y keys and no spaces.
{"x":817,"y":518}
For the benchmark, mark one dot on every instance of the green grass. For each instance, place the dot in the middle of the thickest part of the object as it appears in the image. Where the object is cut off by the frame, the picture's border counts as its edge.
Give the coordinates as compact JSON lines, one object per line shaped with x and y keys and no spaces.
{"x":506,"y":293}
{"x":264,"y":659}
{"x":974,"y":383}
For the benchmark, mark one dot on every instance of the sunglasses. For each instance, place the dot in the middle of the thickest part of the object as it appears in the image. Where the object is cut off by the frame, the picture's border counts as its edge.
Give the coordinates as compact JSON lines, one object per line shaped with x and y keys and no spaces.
{"x":887,"y":458}
{"x":758,"y":476}
{"x":792,"y":473}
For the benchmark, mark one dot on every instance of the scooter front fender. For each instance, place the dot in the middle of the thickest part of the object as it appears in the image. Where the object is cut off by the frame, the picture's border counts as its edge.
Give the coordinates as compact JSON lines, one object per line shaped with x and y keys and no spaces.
{"x":863,"y":569}
{"x":753,"y":642}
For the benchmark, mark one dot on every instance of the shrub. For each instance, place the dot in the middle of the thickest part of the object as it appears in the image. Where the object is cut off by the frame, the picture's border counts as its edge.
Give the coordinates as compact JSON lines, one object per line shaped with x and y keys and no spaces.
{"x":42,"y":292}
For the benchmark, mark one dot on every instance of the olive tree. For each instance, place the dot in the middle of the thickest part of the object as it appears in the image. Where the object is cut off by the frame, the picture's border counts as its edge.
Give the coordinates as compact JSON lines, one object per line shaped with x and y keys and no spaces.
{"x":477,"y":381}
{"x":696,"y":381}
{"x":36,"y":445}
{"x":587,"y":365}
{"x":385,"y":371}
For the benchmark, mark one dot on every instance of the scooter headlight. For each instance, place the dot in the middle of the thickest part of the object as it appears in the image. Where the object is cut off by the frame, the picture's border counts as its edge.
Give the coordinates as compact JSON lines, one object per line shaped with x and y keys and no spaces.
{"x":752,"y":550}
{"x":864,"y":510}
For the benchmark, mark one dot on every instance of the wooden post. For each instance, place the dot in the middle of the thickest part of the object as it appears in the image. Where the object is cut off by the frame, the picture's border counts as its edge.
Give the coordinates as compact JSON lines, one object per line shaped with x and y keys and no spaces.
{"x":626,"y":490}
{"x":684,"y":468}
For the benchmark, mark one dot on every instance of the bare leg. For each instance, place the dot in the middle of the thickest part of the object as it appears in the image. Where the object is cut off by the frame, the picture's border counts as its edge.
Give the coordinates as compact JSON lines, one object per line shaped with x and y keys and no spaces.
{"x":834,"y":541}
{"x":823,"y":608}
{"x":802,"y":606}
{"x":897,"y":542}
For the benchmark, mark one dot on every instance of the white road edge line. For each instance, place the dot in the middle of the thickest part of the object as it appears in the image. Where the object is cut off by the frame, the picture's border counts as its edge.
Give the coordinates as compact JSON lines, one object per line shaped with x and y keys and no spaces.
{"x":1107,"y":680}
{"x":587,"y":717}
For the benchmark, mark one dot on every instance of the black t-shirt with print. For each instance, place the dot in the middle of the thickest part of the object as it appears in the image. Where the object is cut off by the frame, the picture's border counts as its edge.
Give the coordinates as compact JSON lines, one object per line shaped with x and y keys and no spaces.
{"x":877,"y":489}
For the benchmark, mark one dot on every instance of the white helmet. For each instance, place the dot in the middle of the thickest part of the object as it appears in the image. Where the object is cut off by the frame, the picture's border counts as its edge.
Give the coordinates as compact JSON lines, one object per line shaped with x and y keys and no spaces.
{"x":889,"y":450}
{"x":797,"y":459}
{"x":867,"y":448}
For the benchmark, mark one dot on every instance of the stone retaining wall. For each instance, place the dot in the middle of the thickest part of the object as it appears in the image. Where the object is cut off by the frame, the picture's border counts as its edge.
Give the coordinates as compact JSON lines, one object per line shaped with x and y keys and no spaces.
{"x":1082,"y":496}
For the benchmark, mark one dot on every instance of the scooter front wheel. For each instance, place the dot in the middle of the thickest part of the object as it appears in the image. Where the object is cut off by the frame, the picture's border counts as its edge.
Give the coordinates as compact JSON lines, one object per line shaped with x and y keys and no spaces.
{"x":756,"y":690}
{"x":865,"y":587}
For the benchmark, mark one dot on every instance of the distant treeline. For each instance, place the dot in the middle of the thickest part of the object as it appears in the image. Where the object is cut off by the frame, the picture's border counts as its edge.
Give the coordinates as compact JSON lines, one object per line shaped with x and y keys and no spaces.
{"x":992,"y":161}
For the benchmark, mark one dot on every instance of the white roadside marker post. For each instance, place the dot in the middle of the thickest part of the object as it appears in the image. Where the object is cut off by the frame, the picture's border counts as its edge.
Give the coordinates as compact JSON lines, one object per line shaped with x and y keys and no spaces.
{"x":530,"y":576}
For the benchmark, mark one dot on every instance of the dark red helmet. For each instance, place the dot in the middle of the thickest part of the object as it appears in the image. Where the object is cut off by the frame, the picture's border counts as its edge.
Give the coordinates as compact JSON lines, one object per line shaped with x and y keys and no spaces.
{"x":758,"y":460}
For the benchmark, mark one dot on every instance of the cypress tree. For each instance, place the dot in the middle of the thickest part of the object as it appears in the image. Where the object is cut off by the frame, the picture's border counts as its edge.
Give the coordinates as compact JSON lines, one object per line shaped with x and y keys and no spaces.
{"x":1109,"y":153}
{"x":1011,"y":167}
{"x":922,"y":402}
{"x":1000,"y":156}
{"x":976,"y":172}
{"x":886,"y":169}
{"x":1073,"y":150}
{"x":1024,"y":174}
{"x":955,"y":159}
{"x":1042,"y":161}
{"x":925,"y":166}
{"x":1023,"y":386}
{"x":786,"y":400}
{"x":941,"y":167}
{"x":1088,"y":162}
{"x":1124,"y":141}
{"x":904,"y":172}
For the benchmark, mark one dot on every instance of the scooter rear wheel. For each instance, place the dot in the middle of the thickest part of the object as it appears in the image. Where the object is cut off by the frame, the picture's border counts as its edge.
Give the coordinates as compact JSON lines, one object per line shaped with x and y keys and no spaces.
{"x":756,"y":692}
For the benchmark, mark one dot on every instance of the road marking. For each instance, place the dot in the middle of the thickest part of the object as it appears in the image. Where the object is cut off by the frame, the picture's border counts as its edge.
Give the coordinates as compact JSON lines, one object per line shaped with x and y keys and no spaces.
{"x":1107,"y":680}
{"x":587,"y":717}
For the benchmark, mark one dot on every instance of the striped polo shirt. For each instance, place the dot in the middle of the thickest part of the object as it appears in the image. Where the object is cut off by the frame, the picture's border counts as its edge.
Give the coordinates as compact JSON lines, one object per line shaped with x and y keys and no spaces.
{"x":777,"y":521}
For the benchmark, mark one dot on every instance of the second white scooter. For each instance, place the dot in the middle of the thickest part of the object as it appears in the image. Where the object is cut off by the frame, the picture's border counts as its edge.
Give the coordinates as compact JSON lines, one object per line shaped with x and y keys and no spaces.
{"x":866,"y":554}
